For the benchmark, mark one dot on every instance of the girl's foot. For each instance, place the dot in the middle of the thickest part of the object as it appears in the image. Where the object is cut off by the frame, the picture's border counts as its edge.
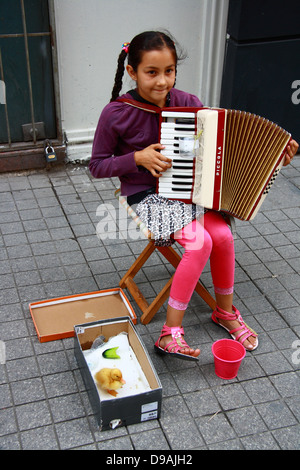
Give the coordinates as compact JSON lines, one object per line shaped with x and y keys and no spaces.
{"x":237,"y":328}
{"x":171,"y":342}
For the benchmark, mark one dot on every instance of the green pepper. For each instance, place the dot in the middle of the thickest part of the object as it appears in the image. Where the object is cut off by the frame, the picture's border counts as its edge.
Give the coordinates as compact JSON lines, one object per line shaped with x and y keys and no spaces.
{"x":111,"y":353}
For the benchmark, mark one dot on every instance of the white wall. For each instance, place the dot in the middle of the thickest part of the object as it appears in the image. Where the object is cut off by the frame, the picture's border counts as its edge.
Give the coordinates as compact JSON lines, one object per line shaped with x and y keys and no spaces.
{"x":89,"y":37}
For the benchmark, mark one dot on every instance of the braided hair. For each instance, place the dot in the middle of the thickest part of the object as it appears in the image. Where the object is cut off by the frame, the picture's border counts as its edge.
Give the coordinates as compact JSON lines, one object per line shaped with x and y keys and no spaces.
{"x":147,"y":41}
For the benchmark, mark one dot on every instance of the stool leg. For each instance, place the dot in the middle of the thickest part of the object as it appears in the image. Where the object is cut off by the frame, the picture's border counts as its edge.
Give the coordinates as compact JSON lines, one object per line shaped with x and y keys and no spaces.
{"x":159,"y":300}
{"x":150,"y":310}
{"x":128,"y":282}
{"x":139,"y":262}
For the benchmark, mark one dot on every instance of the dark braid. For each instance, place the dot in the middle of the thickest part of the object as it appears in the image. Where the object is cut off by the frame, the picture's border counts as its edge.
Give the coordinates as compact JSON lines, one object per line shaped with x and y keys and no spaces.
{"x":119,"y":76}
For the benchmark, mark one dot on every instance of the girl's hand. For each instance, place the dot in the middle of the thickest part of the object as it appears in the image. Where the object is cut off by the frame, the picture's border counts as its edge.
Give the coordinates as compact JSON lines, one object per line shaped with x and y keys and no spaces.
{"x":291,"y":150}
{"x":153,"y":160}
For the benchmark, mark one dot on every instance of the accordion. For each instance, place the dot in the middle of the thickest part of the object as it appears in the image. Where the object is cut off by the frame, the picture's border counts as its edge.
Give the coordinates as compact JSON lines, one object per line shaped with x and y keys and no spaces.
{"x":225,"y":160}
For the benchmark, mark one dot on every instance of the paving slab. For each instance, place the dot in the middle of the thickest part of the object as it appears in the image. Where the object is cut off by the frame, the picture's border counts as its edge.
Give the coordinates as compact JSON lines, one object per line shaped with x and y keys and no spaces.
{"x":52,"y":244}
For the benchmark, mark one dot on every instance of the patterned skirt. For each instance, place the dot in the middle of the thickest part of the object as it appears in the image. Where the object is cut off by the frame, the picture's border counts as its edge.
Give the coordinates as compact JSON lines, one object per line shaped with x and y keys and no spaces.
{"x":163,"y":217}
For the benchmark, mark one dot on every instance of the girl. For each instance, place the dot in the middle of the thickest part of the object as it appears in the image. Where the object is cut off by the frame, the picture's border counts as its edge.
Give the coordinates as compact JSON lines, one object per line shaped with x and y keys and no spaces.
{"x":126,"y":145}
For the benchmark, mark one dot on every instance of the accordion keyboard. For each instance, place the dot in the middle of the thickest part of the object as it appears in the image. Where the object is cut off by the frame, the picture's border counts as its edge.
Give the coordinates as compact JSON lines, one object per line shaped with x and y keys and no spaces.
{"x":176,"y":132}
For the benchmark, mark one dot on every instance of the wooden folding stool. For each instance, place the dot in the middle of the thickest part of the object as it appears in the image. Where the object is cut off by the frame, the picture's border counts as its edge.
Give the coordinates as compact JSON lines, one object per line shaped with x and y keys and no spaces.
{"x":170,"y":254}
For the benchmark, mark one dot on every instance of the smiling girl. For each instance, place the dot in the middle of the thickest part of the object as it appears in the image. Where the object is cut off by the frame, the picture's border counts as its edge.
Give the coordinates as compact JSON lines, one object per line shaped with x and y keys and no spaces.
{"x":126,"y":145}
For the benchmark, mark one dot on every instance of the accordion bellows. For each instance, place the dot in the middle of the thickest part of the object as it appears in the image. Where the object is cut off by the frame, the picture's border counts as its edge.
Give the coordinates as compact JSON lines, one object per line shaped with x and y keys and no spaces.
{"x":235,"y":162}
{"x":254,"y":148}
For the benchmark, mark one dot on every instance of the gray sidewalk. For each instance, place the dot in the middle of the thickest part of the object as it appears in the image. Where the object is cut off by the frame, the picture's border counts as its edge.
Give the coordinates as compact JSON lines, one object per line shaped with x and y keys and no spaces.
{"x":49,"y":248}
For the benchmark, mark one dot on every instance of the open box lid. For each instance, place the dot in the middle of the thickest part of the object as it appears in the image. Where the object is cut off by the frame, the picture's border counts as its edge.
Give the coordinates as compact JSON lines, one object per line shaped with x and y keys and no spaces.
{"x":55,"y":318}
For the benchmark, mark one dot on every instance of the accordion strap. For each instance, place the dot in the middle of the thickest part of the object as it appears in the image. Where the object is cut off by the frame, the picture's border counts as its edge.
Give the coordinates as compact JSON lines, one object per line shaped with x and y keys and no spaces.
{"x":144,"y":106}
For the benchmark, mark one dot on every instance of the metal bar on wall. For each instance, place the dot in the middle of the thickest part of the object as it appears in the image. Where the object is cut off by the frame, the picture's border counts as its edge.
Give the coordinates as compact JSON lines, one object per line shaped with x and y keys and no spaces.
{"x":21,"y":35}
{"x":28,"y":71}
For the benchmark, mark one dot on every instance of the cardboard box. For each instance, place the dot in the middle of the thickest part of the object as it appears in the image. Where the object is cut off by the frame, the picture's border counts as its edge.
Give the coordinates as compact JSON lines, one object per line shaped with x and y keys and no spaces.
{"x":124,"y":410}
{"x":55,"y":318}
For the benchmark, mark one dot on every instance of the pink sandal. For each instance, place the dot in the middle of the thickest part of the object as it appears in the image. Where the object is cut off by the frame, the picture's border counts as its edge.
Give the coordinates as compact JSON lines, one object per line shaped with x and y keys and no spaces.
{"x":244,"y":329}
{"x":174,"y":346}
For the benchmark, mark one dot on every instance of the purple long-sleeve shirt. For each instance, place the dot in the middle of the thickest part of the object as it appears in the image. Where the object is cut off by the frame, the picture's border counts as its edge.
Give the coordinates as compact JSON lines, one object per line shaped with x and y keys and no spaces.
{"x":122,"y":130}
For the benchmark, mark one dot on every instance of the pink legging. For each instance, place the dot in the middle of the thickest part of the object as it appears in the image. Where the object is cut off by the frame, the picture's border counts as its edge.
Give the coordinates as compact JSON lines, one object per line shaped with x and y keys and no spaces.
{"x":209,"y":237}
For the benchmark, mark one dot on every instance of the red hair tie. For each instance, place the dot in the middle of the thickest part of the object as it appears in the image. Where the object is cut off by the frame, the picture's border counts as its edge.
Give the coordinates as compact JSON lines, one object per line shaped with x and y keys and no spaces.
{"x":125,"y":47}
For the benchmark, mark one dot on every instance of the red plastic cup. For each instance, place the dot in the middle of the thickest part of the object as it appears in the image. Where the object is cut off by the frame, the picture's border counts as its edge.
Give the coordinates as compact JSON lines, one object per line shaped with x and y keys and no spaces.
{"x":228,"y":355}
